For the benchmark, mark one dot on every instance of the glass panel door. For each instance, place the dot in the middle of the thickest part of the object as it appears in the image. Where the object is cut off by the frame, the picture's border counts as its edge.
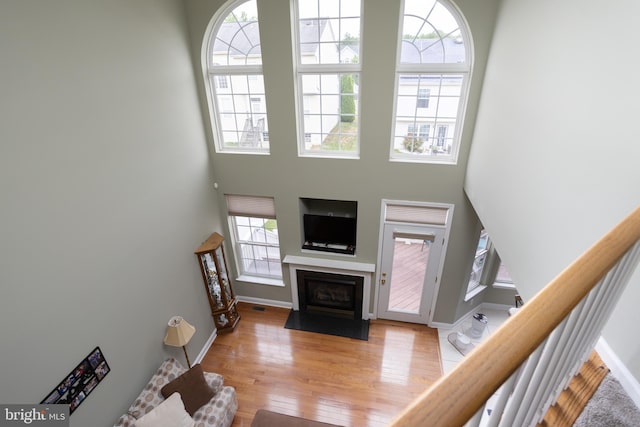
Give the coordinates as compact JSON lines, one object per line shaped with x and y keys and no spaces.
{"x":410,"y":256}
{"x":410,"y":261}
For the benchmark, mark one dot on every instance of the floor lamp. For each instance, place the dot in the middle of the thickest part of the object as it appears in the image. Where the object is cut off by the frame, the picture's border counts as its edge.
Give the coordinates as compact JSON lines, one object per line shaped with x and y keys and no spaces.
{"x":179,"y":332}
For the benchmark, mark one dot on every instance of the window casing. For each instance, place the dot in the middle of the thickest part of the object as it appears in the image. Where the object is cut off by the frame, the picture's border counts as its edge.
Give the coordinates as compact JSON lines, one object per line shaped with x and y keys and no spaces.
{"x":432,"y":77}
{"x":479,"y":262}
{"x":254,"y":233}
{"x":503,"y":278}
{"x":327,"y":49}
{"x":488,"y":269}
{"x":235,"y":91}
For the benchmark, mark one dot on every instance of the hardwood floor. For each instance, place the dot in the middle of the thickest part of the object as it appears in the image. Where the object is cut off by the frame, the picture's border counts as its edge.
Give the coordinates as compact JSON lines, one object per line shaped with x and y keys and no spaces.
{"x":321,"y":377}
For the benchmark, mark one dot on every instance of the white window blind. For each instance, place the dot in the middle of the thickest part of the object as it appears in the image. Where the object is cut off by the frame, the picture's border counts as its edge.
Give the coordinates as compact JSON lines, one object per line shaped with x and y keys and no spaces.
{"x":414,"y":236}
{"x":416,"y":214}
{"x":252,"y":206}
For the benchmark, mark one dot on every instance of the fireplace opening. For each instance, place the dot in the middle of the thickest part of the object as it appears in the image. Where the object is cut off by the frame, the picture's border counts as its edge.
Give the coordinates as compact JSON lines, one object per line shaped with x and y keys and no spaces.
{"x":332,"y":294}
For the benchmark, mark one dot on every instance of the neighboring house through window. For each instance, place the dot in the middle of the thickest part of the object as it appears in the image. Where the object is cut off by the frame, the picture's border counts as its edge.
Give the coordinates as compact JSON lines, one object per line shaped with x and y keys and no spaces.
{"x":328,"y":72}
{"x":222,"y":82}
{"x":252,"y":221}
{"x":423,"y":98}
{"x":234,"y":67}
{"x":441,"y":138}
{"x":434,"y":62}
{"x":432,"y":79}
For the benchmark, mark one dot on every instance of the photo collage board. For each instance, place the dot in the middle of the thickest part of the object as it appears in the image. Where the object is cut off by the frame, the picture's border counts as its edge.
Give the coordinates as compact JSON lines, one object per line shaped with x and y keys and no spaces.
{"x":80,"y":382}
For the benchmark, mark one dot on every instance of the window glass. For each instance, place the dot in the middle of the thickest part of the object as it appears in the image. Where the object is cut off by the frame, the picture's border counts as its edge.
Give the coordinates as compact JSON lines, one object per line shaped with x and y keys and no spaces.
{"x":479,"y":262}
{"x":481,"y":275}
{"x":236,"y":86}
{"x":257,"y":246}
{"x":328,"y":57}
{"x":503,"y":275}
{"x":431,"y":82}
{"x":254,"y":232}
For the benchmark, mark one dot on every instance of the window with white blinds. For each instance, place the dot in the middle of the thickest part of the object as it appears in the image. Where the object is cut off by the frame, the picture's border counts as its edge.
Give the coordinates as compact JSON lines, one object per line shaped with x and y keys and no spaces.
{"x":256,"y":245}
{"x":253,"y":206}
{"x":416,"y":214}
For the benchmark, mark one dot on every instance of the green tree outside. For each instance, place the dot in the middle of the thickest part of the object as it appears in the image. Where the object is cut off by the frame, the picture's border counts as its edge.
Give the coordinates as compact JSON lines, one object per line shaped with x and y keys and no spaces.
{"x":347,"y":100}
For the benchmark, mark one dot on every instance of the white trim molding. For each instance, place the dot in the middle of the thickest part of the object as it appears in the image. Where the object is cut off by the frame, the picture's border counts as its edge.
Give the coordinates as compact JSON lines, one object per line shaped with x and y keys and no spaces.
{"x":263,"y":301}
{"x":206,"y":347}
{"x":619,"y":370}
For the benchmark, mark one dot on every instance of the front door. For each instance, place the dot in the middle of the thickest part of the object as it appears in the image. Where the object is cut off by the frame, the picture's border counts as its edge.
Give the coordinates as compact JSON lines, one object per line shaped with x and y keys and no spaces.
{"x":409,"y":268}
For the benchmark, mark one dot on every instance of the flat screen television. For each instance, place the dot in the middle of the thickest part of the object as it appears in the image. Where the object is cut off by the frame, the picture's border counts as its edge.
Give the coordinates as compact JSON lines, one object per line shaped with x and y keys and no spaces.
{"x":324,"y":229}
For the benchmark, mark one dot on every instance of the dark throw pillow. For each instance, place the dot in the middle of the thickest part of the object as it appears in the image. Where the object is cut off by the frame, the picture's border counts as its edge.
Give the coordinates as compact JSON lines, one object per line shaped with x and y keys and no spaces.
{"x":193,"y":389}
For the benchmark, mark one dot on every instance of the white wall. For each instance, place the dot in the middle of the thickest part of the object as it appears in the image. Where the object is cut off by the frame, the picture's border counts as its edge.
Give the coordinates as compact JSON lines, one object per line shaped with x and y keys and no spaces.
{"x":554,"y":160}
{"x":105,"y":194}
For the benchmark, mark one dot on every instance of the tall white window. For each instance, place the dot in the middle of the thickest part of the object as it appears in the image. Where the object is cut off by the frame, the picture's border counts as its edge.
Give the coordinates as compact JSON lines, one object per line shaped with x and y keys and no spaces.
{"x":432,"y":74}
{"x":256,"y":246}
{"x":235,"y":85}
{"x":479,"y":262}
{"x":328,"y":76}
{"x":488,"y":269}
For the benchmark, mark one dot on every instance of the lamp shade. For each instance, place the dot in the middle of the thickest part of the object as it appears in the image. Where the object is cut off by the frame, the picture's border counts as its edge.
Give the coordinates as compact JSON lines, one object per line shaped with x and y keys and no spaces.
{"x":179,"y":332}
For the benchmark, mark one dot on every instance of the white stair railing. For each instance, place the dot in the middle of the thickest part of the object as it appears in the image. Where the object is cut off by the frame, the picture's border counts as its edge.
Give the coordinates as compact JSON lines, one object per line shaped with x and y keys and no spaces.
{"x":532,"y":357}
{"x":548,"y":371}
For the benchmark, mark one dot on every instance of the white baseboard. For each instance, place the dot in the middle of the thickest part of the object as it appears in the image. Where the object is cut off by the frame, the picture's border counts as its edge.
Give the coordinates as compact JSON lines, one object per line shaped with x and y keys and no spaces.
{"x":494,"y":306}
{"x":619,"y":370}
{"x":206,"y":347}
{"x":251,"y":300}
{"x":442,"y":325}
{"x":467,"y":316}
{"x":262,"y":301}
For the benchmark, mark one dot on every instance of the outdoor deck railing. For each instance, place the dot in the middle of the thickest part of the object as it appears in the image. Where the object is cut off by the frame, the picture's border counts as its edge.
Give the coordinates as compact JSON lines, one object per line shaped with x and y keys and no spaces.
{"x":536,"y":352}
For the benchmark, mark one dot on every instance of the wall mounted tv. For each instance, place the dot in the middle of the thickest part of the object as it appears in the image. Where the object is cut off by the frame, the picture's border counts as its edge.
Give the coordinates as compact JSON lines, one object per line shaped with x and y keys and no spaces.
{"x":329,"y":233}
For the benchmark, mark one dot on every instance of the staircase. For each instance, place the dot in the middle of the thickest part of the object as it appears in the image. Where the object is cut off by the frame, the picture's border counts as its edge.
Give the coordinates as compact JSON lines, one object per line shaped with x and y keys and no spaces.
{"x":533,"y":357}
{"x":574,"y":398}
{"x":252,"y":135}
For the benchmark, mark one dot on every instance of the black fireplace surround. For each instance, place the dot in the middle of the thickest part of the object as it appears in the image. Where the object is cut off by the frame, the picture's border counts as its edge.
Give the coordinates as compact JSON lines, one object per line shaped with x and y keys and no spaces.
{"x":331,"y":294}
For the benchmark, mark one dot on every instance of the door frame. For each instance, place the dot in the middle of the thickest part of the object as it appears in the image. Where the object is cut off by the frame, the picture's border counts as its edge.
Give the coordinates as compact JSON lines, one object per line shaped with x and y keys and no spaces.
{"x":389,"y":245}
{"x":447,"y":230}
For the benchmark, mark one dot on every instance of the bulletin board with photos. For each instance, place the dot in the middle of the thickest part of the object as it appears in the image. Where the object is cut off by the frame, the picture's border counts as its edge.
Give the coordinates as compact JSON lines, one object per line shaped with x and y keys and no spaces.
{"x":80,"y":382}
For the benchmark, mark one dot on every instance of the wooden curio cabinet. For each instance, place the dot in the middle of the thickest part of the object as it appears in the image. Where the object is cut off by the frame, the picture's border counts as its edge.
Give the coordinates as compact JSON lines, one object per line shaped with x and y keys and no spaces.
{"x":217,"y":283}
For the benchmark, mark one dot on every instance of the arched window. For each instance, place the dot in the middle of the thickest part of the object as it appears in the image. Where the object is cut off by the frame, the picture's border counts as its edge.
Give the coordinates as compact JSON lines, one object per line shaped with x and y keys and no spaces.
{"x":235,"y":84}
{"x":432,"y":80}
{"x":328,"y":76}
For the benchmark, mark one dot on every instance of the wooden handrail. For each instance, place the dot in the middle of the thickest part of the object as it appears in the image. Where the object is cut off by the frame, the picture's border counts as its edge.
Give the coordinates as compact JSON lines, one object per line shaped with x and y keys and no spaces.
{"x":456,"y":397}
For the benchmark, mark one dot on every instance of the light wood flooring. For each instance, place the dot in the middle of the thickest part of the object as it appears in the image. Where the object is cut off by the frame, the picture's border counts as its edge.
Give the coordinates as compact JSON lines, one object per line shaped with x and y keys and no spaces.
{"x":407,"y":281}
{"x":332,"y":379}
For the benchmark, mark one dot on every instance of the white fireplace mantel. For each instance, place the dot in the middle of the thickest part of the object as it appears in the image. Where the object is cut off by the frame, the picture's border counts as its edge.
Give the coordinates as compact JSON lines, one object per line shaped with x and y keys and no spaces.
{"x":364,"y":270}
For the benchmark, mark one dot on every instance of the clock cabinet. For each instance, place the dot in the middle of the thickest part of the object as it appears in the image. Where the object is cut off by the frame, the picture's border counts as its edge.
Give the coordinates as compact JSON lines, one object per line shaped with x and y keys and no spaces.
{"x":217,"y":283}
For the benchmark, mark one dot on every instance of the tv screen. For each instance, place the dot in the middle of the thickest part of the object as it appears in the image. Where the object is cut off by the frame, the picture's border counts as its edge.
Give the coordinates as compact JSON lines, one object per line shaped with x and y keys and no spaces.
{"x":330,"y":229}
